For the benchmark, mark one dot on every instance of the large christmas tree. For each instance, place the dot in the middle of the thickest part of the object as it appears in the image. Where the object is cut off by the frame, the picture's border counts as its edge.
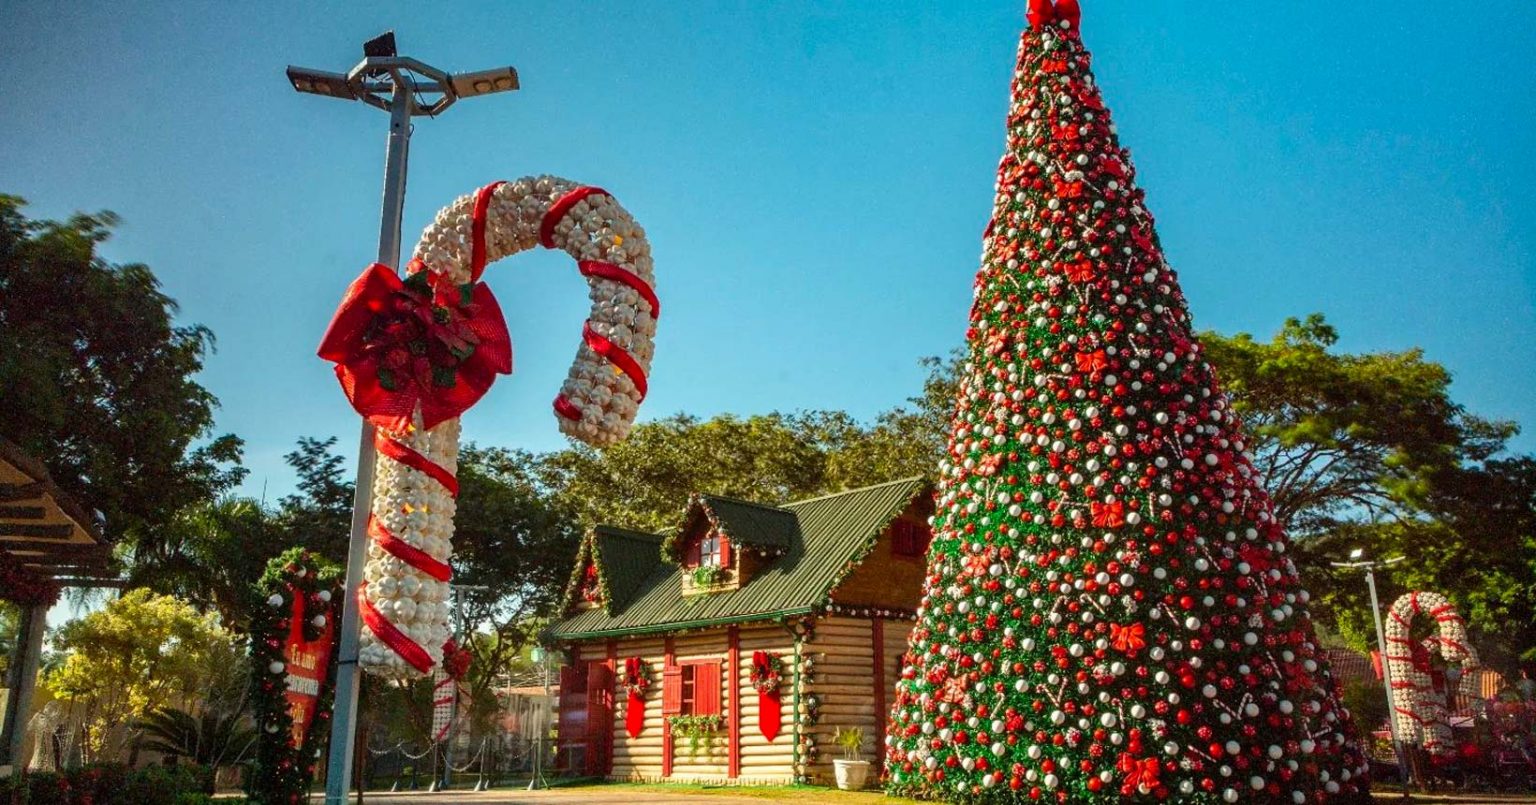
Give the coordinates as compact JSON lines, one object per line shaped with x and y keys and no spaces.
{"x":1111,"y":612}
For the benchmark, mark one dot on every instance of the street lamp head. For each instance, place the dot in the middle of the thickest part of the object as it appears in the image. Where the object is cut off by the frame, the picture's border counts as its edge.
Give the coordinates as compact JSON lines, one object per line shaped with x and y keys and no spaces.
{"x":320,"y":82}
{"x":484,"y":82}
{"x":1357,"y":553}
{"x":381,"y":45}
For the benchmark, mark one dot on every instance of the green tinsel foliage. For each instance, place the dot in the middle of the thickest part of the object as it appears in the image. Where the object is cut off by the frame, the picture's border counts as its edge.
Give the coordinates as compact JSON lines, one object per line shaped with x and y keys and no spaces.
{"x":1111,"y":613}
{"x":282,"y":774}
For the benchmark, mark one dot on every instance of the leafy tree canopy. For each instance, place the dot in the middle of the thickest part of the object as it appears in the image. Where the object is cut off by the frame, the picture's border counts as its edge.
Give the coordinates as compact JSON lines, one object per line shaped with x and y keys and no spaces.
{"x":137,"y":654}
{"x":99,"y":379}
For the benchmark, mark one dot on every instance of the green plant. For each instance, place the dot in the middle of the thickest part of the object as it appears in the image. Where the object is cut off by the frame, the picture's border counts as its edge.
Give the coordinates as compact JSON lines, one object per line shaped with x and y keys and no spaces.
{"x":213,"y":739}
{"x":695,"y":728}
{"x":707,"y":576}
{"x":850,"y":740}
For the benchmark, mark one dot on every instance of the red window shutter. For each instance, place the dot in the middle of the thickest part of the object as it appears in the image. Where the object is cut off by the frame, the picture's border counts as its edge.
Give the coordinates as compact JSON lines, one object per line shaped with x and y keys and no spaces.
{"x":691,"y":556}
{"x":671,"y":690}
{"x":706,"y":689}
{"x":725,"y":551}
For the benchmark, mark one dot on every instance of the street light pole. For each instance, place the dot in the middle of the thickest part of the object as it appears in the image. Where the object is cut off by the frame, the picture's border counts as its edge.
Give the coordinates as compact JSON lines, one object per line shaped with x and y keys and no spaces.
{"x":405,"y":88}
{"x":1381,"y":646}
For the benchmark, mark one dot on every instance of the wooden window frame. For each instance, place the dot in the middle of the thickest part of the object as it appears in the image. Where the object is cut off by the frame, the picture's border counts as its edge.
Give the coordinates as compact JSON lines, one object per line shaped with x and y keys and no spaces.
{"x":687,"y":701}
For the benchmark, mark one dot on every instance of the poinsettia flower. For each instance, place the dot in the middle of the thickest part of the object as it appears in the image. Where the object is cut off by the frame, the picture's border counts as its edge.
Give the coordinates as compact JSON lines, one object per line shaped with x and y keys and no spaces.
{"x":416,"y":344}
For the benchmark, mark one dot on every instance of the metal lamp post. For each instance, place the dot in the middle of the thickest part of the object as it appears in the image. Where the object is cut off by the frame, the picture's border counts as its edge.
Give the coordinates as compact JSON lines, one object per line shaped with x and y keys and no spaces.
{"x":540,"y":656}
{"x":1357,"y":562}
{"x":404,"y":88}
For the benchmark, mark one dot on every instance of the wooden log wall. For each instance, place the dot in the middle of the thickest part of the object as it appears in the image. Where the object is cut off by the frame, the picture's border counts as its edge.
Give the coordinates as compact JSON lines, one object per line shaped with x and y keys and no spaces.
{"x":760,"y":762}
{"x":843,"y":654}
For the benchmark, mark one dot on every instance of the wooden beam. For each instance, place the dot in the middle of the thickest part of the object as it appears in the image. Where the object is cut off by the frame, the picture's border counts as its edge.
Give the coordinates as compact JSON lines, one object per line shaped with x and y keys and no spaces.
{"x":669,"y":659}
{"x":52,"y":548}
{"x":45,"y":531}
{"x":119,"y":584}
{"x":31,"y":491}
{"x":877,"y":629}
{"x":733,"y":701}
{"x":22,"y":512}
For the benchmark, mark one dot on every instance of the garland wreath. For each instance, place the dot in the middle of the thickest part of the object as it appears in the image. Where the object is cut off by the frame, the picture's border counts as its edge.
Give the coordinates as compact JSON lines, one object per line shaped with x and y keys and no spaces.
{"x":636,"y":681}
{"x":412,"y":355}
{"x":283,"y":772}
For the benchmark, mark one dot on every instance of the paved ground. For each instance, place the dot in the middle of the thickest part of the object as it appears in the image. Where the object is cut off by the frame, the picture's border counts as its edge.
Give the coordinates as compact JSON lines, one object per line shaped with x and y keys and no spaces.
{"x":646,"y":795}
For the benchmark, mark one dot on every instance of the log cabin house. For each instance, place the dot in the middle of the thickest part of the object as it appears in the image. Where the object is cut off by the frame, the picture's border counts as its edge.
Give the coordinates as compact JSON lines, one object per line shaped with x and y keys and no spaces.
{"x":732,"y":650}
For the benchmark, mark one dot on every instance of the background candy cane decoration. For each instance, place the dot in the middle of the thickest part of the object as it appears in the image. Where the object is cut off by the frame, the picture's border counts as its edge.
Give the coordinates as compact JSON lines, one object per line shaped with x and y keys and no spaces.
{"x":1420,"y":710}
{"x":404,"y":596}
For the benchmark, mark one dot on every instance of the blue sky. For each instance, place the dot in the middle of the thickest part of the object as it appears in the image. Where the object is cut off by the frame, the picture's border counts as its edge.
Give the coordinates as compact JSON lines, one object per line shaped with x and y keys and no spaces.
{"x":814,"y":179}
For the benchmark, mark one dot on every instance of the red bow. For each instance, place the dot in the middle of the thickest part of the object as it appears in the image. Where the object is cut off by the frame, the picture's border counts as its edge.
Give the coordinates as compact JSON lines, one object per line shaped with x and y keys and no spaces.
{"x":1042,"y":12}
{"x":1090,"y":362}
{"x":398,"y":344}
{"x":1139,"y":772}
{"x":1108,"y":515}
{"x":1128,"y":639}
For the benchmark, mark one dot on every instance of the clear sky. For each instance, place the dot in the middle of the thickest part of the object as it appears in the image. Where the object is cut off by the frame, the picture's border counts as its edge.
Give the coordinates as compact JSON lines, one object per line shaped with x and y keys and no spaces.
{"x":814,"y":178}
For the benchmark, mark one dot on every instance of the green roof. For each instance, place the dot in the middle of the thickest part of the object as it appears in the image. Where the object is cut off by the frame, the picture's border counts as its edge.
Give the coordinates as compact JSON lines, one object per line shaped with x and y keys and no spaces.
{"x":830,"y":533}
{"x":756,"y":525}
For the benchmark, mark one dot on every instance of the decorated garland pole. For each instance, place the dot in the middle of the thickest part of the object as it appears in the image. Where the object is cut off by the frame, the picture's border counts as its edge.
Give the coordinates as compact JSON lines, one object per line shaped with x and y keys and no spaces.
{"x":1419,"y":707}
{"x":413,"y":354}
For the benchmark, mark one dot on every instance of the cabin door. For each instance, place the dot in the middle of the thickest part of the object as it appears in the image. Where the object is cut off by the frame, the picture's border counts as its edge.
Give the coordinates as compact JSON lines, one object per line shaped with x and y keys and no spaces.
{"x":599,"y":719}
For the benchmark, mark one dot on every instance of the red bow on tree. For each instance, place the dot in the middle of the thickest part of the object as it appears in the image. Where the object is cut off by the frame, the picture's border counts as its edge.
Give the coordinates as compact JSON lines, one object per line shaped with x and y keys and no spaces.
{"x":1139,"y":772}
{"x":422,"y":341}
{"x":1108,"y":515}
{"x":1128,"y":639}
{"x":1042,"y":12}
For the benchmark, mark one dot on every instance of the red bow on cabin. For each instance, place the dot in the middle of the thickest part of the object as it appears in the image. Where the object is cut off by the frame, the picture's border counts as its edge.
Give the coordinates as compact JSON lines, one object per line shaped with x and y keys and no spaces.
{"x":422,"y":341}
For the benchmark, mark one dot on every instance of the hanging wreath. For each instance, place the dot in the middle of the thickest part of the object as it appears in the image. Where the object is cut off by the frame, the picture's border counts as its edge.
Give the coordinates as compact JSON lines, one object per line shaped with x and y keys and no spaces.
{"x":636,"y":681}
{"x":766,"y":675}
{"x":414,"y":354}
{"x":767,"y":671}
{"x":301,"y":593}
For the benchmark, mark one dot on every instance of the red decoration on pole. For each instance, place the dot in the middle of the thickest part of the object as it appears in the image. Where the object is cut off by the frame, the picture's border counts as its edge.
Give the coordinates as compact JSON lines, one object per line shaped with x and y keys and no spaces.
{"x":306,"y":663}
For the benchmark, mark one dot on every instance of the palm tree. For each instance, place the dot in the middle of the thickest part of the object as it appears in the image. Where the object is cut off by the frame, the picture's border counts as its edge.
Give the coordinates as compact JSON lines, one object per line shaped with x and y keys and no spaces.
{"x":215,"y":739}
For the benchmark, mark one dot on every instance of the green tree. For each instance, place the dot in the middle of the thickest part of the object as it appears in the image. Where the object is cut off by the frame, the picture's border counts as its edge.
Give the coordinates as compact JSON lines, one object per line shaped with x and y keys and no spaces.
{"x":1109,"y":613}
{"x":1342,"y":437}
{"x":139,"y":653}
{"x":210,"y":555}
{"x":99,"y":378}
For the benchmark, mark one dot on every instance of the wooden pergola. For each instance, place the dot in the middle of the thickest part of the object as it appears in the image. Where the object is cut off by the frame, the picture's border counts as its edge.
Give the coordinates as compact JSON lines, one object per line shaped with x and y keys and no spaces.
{"x":49,"y":534}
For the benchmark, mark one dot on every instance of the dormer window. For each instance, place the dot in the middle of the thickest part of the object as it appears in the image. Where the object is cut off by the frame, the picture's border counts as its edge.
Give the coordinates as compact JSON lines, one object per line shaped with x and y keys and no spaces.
{"x":709,"y":549}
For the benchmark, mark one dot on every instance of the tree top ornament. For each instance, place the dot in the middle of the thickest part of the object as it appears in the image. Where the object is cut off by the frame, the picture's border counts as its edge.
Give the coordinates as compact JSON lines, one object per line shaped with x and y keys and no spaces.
{"x":414,"y":354}
{"x":1110,"y":612}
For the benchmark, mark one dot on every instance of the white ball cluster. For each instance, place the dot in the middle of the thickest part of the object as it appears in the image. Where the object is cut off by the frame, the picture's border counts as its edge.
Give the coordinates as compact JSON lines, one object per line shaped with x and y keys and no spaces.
{"x":416,"y":508}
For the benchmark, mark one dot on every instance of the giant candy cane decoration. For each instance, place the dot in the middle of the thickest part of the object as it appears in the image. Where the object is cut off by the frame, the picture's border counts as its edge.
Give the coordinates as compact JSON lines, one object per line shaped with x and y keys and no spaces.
{"x":413,"y":355}
{"x":1419,"y":709}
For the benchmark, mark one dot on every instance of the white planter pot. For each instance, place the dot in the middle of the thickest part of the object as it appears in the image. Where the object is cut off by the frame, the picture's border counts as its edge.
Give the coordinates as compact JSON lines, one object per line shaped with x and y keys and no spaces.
{"x":851,"y":774}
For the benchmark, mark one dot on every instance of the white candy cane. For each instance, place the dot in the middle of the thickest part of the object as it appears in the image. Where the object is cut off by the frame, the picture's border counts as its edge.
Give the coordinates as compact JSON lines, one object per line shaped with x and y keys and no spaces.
{"x":404,"y":599}
{"x":1420,"y":710}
